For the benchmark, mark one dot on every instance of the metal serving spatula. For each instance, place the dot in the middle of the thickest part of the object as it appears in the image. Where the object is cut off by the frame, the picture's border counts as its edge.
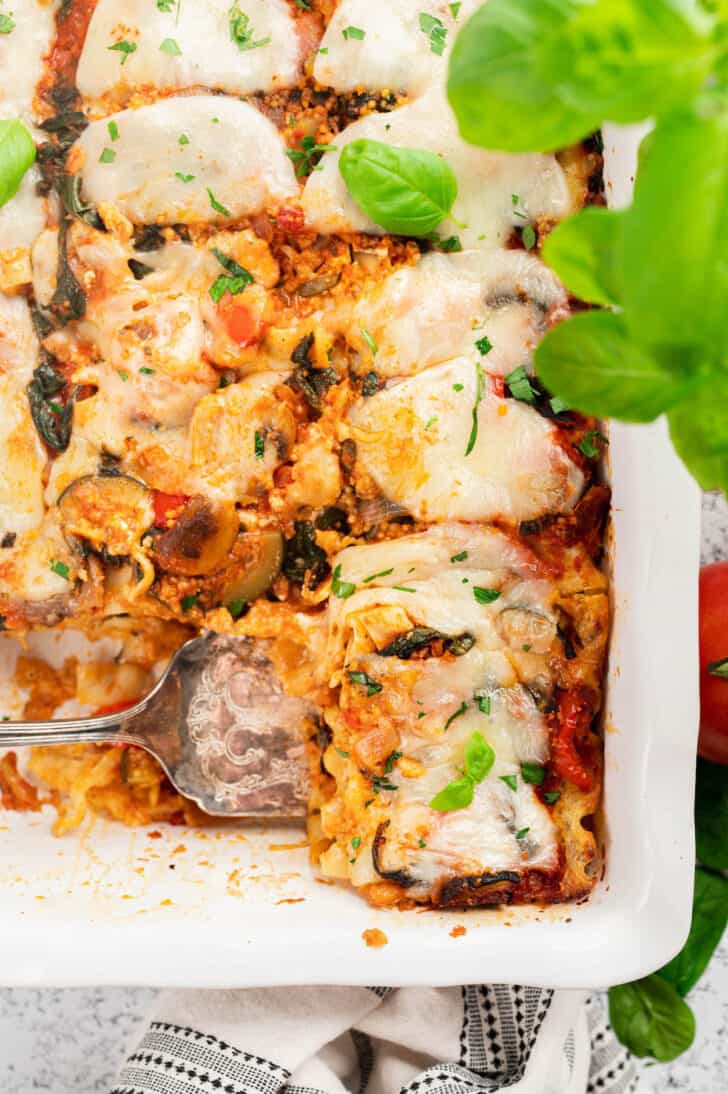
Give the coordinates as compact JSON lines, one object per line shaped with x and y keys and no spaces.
{"x":218,"y":722}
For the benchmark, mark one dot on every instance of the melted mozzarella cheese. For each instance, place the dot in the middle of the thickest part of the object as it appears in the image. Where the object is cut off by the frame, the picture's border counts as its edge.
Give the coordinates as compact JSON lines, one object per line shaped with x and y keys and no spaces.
{"x":24,"y":216}
{"x":424,"y":314}
{"x":486,"y":180}
{"x":21,"y":54}
{"x":18,"y":343}
{"x":394,"y":54}
{"x":235,"y":157}
{"x":412,"y":438}
{"x":208,"y":55}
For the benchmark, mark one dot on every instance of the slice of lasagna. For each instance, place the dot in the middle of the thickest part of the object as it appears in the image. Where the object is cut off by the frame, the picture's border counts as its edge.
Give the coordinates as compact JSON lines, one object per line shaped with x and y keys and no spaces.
{"x":232,"y":400}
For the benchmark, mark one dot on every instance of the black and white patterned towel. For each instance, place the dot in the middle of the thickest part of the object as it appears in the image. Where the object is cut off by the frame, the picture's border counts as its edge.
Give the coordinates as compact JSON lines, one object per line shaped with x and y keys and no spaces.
{"x":337,"y":1040}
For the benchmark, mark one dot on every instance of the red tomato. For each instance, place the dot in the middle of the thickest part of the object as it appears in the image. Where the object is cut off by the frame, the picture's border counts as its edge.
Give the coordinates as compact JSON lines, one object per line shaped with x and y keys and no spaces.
{"x":291,"y":219}
{"x":713,"y":744}
{"x":165,"y":504}
{"x":114,"y":708}
{"x":574,"y":716}
{"x":496,"y":385}
{"x":240,"y":323}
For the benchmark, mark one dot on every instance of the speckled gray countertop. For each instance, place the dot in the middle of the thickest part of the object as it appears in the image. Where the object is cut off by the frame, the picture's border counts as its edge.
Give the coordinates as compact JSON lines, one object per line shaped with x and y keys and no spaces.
{"x":69,"y":1042}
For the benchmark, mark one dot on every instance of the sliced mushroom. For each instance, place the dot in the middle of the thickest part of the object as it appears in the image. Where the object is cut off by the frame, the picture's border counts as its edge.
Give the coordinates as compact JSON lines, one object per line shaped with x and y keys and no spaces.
{"x":261,"y":558}
{"x":111,"y":512}
{"x":525,"y":629}
{"x":200,"y":540}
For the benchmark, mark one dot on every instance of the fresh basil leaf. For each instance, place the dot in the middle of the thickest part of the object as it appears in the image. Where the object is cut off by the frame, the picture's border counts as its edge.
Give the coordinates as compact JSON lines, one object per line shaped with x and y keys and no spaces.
{"x":711,"y":814}
{"x":624,"y":60}
{"x":533,"y":773}
{"x":17,"y":154}
{"x":456,"y":795}
{"x":650,"y":1018}
{"x":699,"y":432}
{"x":710,"y":916}
{"x":585,"y":251}
{"x":591,"y":362}
{"x":342,"y":589}
{"x":675,"y":237}
{"x":408,"y":191}
{"x":479,"y":757}
{"x":496,"y":87}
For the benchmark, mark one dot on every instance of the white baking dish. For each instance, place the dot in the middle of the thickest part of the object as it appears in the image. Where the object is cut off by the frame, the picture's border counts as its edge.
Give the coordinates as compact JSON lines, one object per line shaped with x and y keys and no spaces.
{"x":239,"y":907}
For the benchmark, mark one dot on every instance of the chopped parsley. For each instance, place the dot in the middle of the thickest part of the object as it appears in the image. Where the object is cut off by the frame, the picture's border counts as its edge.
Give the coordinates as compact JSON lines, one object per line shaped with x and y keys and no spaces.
{"x":455,"y":9}
{"x":430,"y":422}
{"x":479,"y":393}
{"x":356,"y":842}
{"x":170,"y":46}
{"x":485,"y":596}
{"x":381,"y":782}
{"x":107,"y":156}
{"x":303,"y":5}
{"x":587,"y":446}
{"x":391,"y":761}
{"x":234,"y":281}
{"x":236,"y":608}
{"x":522,"y":832}
{"x":533,"y":773}
{"x":558,"y":406}
{"x":520,"y":386}
{"x":435,"y":30}
{"x":113,"y":131}
{"x":7,"y":25}
{"x":552,"y":796}
{"x":241,"y":31}
{"x":460,"y":557}
{"x":125,"y":48}
{"x":483,"y":702}
{"x":146,"y":371}
{"x":380,"y":573}
{"x":59,"y":568}
{"x":259,"y":445}
{"x":216,"y":204}
{"x":528,"y":237}
{"x":403,"y":589}
{"x":307,"y":156}
{"x":451,"y":245}
{"x":457,"y":387}
{"x":342,"y":752}
{"x":184,"y":178}
{"x":484,"y":345}
{"x":509,"y":780}
{"x":342,"y":589}
{"x":165,"y":5}
{"x":124,"y":375}
{"x":421,"y":842}
{"x":363,"y":678}
{"x":460,"y":711}
{"x":188,"y":602}
{"x":354,"y":32}
{"x":184,"y":139}
{"x":369,"y":341}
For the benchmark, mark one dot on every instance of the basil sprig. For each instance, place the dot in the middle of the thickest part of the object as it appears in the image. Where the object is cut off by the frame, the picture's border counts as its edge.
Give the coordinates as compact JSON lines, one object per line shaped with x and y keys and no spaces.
{"x":458,"y":794}
{"x":532,"y":75}
{"x":407,"y":191}
{"x":17,"y":154}
{"x":650,"y":1018}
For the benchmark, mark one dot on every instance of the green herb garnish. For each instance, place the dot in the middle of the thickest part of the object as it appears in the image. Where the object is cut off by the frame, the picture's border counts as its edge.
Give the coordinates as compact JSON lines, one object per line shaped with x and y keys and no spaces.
{"x":59,"y":568}
{"x":435,"y":30}
{"x":533,"y":773}
{"x":366,"y":681}
{"x":460,"y":711}
{"x":479,"y":393}
{"x":380,"y":573}
{"x":485,"y":596}
{"x":241,"y":31}
{"x":479,"y":758}
{"x":520,"y":386}
{"x":354,"y":32}
{"x":342,"y":589}
{"x":125,"y":48}
{"x":510,"y":780}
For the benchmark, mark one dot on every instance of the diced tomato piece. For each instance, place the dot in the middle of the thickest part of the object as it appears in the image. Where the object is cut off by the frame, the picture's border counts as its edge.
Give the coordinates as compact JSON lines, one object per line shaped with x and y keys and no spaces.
{"x":290,"y":219}
{"x":496,"y":385}
{"x":574,"y":716}
{"x":165,"y":505}
{"x":239,"y":322}
{"x":115,"y":708}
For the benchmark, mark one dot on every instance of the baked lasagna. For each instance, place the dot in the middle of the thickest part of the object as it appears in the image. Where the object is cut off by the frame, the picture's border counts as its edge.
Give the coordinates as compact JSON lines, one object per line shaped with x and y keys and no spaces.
{"x":232,"y":399}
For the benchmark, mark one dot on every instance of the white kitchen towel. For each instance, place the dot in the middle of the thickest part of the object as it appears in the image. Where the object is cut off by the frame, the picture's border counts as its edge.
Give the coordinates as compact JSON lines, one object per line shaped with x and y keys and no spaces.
{"x":338,"y":1040}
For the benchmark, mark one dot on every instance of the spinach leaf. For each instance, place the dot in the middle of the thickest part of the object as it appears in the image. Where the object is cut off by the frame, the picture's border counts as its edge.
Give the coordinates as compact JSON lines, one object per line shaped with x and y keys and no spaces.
{"x":650,"y":1018}
{"x":304,"y":562}
{"x":17,"y":154}
{"x":532,"y":75}
{"x":404,"y":645}
{"x":312,"y":382}
{"x":407,"y":191}
{"x":710,"y":915}
{"x":585,"y":251}
{"x":711,"y":815}
{"x":69,"y":191}
{"x":52,"y":420}
{"x":69,"y":300}
{"x":592,"y":363}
